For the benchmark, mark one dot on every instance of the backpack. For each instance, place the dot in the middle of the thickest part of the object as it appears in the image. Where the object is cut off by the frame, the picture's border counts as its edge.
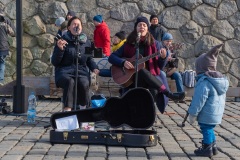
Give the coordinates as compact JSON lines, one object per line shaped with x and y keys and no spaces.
{"x":188,"y":77}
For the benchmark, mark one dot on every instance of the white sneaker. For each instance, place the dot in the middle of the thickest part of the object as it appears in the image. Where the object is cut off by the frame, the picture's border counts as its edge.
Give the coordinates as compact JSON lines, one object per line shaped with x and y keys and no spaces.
{"x":82,"y":107}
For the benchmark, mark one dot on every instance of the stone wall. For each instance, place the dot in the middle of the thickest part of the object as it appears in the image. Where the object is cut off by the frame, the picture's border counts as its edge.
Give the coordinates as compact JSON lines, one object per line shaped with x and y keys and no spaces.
{"x":200,"y":24}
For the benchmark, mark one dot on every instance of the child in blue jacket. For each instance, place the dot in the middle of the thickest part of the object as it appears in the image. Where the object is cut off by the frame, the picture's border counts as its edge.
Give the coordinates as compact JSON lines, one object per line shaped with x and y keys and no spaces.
{"x":208,"y":101}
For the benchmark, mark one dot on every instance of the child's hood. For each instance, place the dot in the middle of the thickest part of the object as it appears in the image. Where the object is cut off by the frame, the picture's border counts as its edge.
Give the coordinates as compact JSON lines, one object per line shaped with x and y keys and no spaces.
{"x":220,"y":83}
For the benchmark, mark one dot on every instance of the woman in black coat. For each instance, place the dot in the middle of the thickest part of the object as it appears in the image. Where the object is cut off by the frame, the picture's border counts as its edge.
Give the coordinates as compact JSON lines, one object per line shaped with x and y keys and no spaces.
{"x":64,"y":60}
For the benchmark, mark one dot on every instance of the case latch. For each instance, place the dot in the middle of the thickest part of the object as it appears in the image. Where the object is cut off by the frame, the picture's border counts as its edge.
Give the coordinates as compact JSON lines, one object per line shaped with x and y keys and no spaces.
{"x":151,"y":138}
{"x":119,"y":138}
{"x":84,"y":136}
{"x":65,"y":135}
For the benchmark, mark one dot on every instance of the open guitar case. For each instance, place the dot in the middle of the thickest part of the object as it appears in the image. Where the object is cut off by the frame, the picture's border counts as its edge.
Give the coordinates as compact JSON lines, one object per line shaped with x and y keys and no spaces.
{"x":134,"y":109}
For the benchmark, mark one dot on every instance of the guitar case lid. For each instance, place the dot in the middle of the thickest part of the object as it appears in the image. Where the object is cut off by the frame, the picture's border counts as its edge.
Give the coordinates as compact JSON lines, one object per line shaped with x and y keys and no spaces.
{"x":135,"y":108}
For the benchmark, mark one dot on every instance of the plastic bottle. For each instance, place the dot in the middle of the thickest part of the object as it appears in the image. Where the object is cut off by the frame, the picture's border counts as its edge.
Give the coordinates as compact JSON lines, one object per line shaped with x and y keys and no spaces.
{"x":31,"y":114}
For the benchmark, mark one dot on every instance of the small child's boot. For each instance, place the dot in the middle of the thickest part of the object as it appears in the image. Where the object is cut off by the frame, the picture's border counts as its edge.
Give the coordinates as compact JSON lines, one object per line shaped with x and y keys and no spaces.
{"x":214,"y":148}
{"x":205,"y":150}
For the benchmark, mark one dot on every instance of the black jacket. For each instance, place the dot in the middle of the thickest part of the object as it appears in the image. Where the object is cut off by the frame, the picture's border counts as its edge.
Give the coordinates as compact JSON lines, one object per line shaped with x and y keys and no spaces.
{"x":65,"y":61}
{"x":6,"y":28}
{"x":157,"y":31}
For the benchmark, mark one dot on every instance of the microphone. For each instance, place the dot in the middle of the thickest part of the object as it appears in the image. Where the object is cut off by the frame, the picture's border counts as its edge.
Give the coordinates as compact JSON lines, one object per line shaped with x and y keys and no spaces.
{"x":76,"y":29}
{"x":138,"y":37}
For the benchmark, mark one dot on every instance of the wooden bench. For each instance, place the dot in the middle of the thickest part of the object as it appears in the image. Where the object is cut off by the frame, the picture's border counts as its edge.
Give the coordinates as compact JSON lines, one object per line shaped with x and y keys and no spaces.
{"x":105,"y":85}
{"x":46,"y":86}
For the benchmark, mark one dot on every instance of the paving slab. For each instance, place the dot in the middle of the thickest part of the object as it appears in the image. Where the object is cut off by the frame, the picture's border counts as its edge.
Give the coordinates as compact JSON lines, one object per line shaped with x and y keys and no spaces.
{"x":23,"y":141}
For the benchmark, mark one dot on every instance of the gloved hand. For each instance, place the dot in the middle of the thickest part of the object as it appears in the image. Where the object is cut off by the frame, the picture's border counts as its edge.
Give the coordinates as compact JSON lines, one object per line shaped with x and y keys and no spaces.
{"x":192,"y":119}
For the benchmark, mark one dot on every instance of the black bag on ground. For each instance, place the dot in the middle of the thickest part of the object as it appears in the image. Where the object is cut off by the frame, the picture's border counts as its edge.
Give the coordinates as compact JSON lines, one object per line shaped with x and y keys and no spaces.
{"x":135,"y":109}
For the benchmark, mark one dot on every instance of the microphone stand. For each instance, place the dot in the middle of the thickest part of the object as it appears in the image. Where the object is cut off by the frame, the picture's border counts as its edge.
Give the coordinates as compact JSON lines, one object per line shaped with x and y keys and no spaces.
{"x":78,"y":54}
{"x":136,"y":61}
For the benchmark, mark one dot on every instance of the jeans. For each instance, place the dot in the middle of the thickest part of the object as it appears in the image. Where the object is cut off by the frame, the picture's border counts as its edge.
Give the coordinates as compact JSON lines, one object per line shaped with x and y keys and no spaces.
{"x":103,"y":68}
{"x":105,"y":73}
{"x":2,"y":68}
{"x":178,"y":79}
{"x":208,"y":133}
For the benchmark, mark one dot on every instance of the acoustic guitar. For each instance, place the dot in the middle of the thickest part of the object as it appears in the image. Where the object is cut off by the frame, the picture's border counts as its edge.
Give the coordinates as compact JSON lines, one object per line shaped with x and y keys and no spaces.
{"x":123,"y":76}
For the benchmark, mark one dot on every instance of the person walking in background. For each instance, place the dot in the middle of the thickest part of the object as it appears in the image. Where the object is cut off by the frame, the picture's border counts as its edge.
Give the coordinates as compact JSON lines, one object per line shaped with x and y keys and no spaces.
{"x":208,"y":101}
{"x":64,"y":60}
{"x":102,"y":35}
{"x":156,"y":29}
{"x":146,"y":75}
{"x":118,"y":40}
{"x":171,"y":70}
{"x":6,"y":28}
{"x":69,"y":15}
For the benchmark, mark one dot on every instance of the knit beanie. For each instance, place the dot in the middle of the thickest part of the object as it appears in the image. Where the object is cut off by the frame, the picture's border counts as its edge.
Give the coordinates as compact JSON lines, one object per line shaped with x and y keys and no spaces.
{"x":59,"y":21}
{"x":167,"y":36}
{"x":98,"y":18}
{"x":208,"y":61}
{"x":141,"y":19}
{"x":72,"y":13}
{"x":121,"y":35}
{"x":153,"y":16}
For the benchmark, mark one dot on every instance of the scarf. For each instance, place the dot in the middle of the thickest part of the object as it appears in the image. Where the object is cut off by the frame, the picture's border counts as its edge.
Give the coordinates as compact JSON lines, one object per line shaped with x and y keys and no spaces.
{"x":117,"y":46}
{"x":130,"y":50}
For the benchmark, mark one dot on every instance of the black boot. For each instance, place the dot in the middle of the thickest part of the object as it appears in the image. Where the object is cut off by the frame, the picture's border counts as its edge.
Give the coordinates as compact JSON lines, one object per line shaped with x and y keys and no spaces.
{"x":214,"y":148}
{"x":174,"y":96}
{"x":205,"y":151}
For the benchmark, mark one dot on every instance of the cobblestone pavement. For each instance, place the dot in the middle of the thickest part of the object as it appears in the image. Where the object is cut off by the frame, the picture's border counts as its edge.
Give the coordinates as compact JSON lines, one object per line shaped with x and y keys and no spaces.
{"x":19,"y":140}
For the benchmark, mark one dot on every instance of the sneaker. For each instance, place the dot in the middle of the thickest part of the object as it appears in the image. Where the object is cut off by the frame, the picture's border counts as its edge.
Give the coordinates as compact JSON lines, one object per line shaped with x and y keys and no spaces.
{"x":82,"y":107}
{"x":67,"y":109}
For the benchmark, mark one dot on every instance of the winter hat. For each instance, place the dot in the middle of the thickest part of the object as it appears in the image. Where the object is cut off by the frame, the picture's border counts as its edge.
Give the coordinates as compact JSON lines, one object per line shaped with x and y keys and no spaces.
{"x":167,"y":36}
{"x":153,"y":16}
{"x":98,"y":18}
{"x":121,"y":35}
{"x":59,"y":21}
{"x":72,"y":13}
{"x":208,"y":61}
{"x":141,"y":19}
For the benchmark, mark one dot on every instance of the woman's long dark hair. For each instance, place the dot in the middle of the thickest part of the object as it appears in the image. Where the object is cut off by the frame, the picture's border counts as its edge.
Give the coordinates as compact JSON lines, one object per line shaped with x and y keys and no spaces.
{"x":131,"y":39}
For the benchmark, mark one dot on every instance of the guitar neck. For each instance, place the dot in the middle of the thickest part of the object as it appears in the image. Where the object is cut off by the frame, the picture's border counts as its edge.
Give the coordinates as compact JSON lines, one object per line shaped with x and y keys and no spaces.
{"x":144,"y":59}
